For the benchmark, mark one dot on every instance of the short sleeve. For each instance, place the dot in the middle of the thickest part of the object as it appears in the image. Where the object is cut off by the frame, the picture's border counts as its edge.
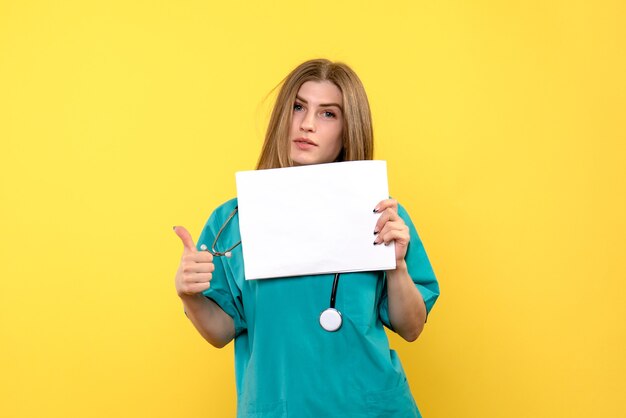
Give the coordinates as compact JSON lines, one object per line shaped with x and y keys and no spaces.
{"x":419,"y":269}
{"x":224,"y":289}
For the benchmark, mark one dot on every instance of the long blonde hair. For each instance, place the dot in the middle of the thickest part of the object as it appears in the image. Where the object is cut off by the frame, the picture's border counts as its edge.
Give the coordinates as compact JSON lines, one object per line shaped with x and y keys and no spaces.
{"x":357,"y":135}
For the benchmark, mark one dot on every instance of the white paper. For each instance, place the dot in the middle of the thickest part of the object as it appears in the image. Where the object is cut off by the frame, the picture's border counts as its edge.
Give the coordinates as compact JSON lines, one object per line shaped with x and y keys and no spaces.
{"x":312,"y":219}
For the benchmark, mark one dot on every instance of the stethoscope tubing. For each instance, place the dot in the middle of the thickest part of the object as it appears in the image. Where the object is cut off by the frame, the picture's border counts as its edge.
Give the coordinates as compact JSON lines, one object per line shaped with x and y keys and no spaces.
{"x":333,"y":293}
{"x":330,"y":318}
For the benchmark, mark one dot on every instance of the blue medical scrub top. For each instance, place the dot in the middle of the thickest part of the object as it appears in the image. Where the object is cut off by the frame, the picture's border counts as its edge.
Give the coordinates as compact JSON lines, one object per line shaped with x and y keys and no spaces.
{"x":286,"y":364}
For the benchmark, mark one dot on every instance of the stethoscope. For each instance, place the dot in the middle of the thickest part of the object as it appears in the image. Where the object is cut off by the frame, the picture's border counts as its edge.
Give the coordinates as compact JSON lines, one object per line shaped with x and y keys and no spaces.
{"x":228,"y":253}
{"x":330,"y":318}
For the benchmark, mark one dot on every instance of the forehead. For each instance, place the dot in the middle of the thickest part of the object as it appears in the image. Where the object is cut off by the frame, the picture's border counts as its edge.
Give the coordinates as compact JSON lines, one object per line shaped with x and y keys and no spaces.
{"x":320,"y":92}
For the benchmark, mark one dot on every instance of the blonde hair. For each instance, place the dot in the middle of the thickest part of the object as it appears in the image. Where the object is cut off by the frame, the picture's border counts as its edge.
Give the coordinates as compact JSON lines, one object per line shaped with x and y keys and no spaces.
{"x":357,"y":135}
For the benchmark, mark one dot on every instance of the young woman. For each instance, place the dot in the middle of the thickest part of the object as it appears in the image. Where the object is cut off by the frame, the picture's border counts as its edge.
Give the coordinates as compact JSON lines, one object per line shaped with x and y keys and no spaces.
{"x":287,"y":365}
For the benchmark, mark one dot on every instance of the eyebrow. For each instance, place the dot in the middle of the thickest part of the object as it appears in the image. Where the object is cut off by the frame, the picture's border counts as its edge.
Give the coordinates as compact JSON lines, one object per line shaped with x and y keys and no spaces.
{"x":321,"y":104}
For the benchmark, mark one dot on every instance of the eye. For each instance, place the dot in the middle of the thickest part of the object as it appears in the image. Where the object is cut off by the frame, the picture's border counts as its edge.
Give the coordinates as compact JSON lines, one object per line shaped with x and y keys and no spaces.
{"x":297,"y":107}
{"x":329,"y":114}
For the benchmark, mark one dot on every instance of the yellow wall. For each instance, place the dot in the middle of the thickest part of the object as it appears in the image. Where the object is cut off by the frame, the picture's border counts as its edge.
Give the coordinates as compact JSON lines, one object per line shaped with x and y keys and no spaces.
{"x":503,"y":125}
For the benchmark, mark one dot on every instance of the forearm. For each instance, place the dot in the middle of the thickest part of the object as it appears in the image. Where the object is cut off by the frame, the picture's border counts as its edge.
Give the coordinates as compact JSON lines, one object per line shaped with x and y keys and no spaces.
{"x":215,"y":325}
{"x":407,"y":311}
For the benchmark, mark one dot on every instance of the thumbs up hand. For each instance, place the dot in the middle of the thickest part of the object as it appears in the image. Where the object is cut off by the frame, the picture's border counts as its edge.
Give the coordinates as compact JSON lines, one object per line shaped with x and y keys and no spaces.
{"x":195,"y":271}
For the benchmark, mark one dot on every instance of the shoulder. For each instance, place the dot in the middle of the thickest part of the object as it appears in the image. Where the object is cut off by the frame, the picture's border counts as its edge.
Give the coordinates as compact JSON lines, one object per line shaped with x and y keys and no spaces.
{"x":217,"y":219}
{"x":402,"y":210}
{"x":403,"y":213}
{"x":220,"y":213}
{"x":225,"y":208}
{"x":223,"y":211}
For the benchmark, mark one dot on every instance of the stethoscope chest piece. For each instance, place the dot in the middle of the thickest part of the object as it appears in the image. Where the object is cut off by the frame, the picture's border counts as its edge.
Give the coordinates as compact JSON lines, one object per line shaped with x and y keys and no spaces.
{"x":330,"y":319}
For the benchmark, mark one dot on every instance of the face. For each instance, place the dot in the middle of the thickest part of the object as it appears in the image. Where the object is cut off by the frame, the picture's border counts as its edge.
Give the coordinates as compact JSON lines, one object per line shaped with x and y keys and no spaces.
{"x":317,"y":123}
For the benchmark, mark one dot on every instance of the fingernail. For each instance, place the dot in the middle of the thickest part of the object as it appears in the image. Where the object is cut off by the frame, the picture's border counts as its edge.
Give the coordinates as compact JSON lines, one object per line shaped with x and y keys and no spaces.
{"x":174,"y":227}
{"x":376,"y":232}
{"x":375,"y":209}
{"x":374,"y":242}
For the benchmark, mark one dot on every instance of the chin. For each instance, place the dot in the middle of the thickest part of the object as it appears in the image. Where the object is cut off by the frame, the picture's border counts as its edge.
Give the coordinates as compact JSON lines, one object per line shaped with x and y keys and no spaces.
{"x":308,"y":161}
{"x":300,"y":159}
{"x":309,"y":158}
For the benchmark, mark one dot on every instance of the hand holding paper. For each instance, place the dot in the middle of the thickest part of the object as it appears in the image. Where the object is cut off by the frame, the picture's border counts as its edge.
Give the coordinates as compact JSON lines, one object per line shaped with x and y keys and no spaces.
{"x":391,"y":228}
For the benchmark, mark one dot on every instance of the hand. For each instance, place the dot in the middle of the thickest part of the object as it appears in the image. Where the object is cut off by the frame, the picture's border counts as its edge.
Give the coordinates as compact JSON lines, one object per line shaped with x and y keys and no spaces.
{"x":391,"y":228}
{"x":196,"y":267}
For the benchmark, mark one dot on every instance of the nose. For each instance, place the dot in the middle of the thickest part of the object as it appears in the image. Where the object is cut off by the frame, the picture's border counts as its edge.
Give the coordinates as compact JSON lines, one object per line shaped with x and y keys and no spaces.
{"x":308,"y":122}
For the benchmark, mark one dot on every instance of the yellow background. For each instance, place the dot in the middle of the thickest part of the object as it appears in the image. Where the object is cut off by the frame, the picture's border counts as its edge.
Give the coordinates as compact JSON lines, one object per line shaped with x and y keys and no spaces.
{"x":503,"y":124}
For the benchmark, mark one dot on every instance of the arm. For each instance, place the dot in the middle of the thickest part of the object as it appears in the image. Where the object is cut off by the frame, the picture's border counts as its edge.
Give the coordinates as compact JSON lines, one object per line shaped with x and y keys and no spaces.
{"x":407,"y":310}
{"x":215,"y":325}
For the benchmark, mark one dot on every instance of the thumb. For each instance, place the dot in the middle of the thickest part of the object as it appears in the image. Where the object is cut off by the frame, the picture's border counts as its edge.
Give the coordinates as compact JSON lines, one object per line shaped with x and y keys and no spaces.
{"x":185,"y":237}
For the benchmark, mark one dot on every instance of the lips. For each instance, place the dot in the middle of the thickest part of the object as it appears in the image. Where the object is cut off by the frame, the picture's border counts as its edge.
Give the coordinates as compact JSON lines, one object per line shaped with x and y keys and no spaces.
{"x":304,"y":141}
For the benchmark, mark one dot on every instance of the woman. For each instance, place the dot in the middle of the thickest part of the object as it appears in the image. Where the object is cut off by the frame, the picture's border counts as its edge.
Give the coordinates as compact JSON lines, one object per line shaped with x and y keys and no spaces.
{"x":287,"y":365}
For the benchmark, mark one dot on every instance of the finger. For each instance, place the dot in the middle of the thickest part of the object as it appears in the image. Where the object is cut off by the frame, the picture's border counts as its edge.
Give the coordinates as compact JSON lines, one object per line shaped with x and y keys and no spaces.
{"x":385,"y":204}
{"x":399,"y":236}
{"x":198,"y":257}
{"x":398,"y":225}
{"x":190,"y":278}
{"x":195,"y":288}
{"x":198,"y":267}
{"x":186,"y":239}
{"x":390,"y":225}
{"x":388,"y":215}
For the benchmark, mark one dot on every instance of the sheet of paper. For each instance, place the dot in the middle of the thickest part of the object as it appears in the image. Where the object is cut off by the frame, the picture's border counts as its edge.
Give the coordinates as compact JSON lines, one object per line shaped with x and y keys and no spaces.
{"x":312,"y":219}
